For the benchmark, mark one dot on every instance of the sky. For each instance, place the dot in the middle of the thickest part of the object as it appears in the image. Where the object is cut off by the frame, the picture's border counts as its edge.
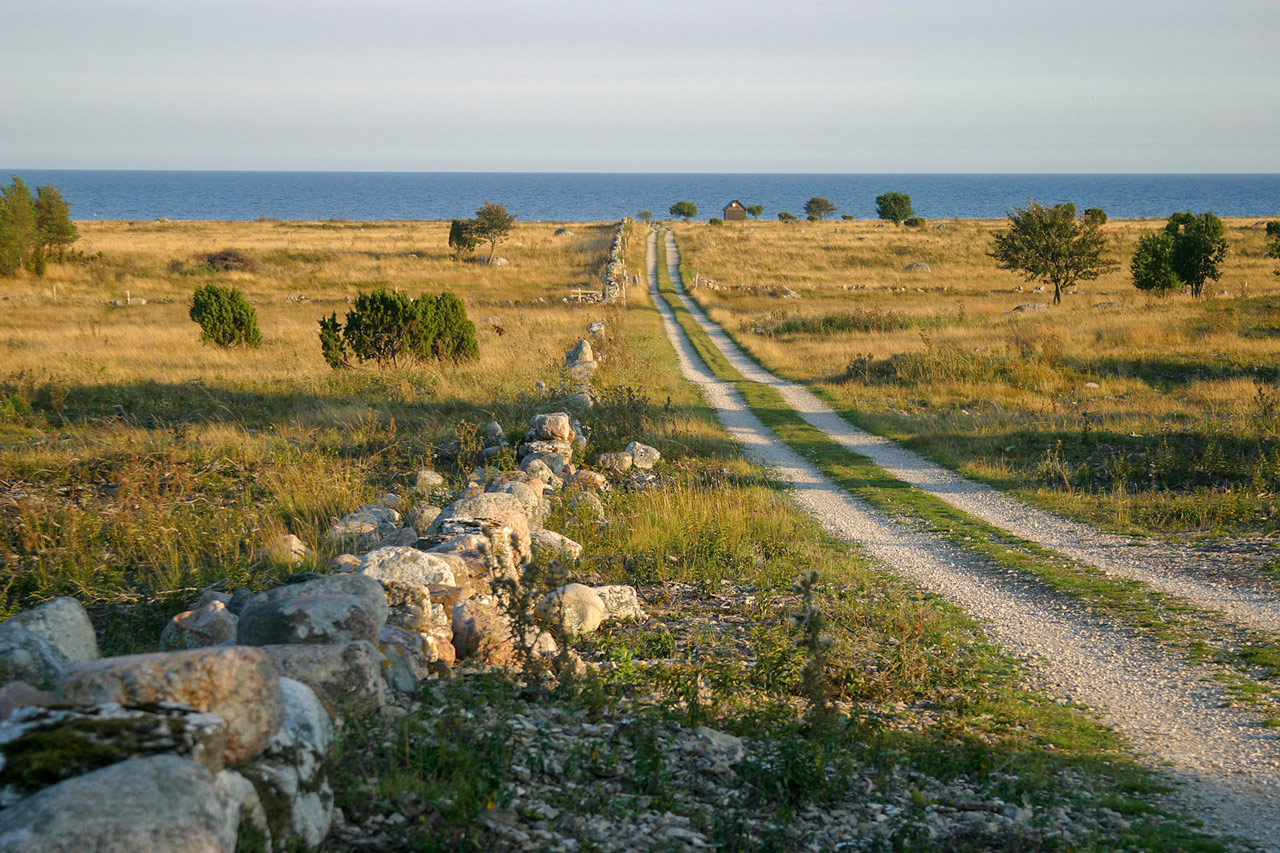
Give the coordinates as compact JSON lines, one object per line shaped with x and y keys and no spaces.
{"x":642,"y":86}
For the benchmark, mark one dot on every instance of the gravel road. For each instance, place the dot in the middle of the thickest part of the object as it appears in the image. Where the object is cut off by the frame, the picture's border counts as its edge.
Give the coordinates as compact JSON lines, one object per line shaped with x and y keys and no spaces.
{"x":1228,"y":761}
{"x":1207,"y":580}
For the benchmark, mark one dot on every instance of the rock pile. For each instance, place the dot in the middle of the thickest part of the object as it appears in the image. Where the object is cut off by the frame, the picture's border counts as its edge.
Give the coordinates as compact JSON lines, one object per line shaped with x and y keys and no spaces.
{"x":615,"y":274}
{"x":229,"y":725}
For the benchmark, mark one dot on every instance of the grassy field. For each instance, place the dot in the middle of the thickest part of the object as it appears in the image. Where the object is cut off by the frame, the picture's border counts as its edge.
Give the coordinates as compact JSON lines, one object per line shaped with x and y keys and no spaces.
{"x":1145,"y":415}
{"x":137,"y":464}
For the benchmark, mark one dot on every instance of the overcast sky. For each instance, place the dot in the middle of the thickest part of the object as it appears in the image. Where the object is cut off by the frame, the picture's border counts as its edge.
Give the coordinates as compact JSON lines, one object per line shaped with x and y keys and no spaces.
{"x":643,"y":85}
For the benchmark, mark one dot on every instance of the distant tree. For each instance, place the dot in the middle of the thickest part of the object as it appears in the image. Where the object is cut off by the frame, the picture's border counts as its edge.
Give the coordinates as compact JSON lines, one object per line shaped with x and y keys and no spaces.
{"x":847,"y":217}
{"x":1050,"y":244}
{"x":492,"y":225}
{"x":54,"y":229}
{"x":645,"y":216}
{"x":715,"y":220}
{"x":1095,"y":214}
{"x":1199,"y":248}
{"x":462,"y":238}
{"x":18,"y":236}
{"x":226,"y":318}
{"x":1273,"y":229}
{"x":1152,"y":264}
{"x":684,"y":209}
{"x":819,"y":207}
{"x":895,"y":207}
{"x":783,"y":216}
{"x":756,"y":210}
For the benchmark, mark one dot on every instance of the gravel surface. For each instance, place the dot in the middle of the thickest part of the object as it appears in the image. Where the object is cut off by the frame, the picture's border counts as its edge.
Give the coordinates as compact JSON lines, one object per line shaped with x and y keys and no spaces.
{"x":1228,"y":760}
{"x":1207,"y":579}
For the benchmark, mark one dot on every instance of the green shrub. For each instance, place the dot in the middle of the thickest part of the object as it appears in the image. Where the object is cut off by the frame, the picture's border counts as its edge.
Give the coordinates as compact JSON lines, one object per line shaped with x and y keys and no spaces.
{"x":226,"y":318}
{"x":1095,"y":215}
{"x":715,"y":220}
{"x":913,"y":222}
{"x":389,"y":328}
{"x":229,"y":260}
{"x":1273,"y":228}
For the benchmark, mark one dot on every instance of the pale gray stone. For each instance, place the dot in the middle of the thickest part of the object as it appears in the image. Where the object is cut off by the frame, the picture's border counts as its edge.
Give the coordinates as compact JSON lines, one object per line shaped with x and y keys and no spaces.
{"x":63,"y":622}
{"x":408,"y":565}
{"x":330,"y":609}
{"x":572,"y":610}
{"x":25,"y":656}
{"x":621,"y":603}
{"x":643,"y":456}
{"x":346,"y":677}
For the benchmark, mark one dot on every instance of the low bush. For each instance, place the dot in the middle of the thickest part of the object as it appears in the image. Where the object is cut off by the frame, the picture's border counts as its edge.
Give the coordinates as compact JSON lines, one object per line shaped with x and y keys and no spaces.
{"x":229,"y":260}
{"x":914,"y":222}
{"x":389,"y":328}
{"x":226,"y":318}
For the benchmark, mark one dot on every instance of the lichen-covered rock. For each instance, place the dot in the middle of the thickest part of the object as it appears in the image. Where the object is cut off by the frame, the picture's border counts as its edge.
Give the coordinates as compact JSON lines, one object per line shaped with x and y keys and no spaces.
{"x":304,"y":714}
{"x":40,"y":747}
{"x":407,"y":659}
{"x":553,"y":426}
{"x":63,"y":622}
{"x":563,"y":449}
{"x":572,"y":610}
{"x":401,"y":537}
{"x":621,"y":603}
{"x":496,"y":508}
{"x":344,"y":563}
{"x":588,"y":504}
{"x":345,"y":677}
{"x":530,"y":498}
{"x":422,"y":515}
{"x":554,"y":462}
{"x":330,"y":609}
{"x":293,"y":787}
{"x":552,"y":545}
{"x":28,"y":657}
{"x":585,"y":479}
{"x":425,"y":480}
{"x":616,"y":464}
{"x":17,"y":695}
{"x":155,"y":804}
{"x":483,"y":633}
{"x":363,"y":529}
{"x":210,"y":625}
{"x":408,"y":565}
{"x":643,"y":456}
{"x":413,"y":608}
{"x":237,"y":683}
{"x":244,"y":806}
{"x":581,"y":352}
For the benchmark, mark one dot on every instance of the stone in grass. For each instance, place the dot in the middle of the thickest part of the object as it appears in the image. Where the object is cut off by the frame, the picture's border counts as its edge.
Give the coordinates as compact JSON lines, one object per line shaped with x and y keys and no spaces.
{"x":329,"y":609}
{"x":553,"y":463}
{"x":563,"y":449}
{"x":482,"y":633}
{"x":616,"y":464}
{"x":590,"y":479}
{"x":588,"y":503}
{"x":549,"y":544}
{"x":572,"y":610}
{"x":621,"y":603}
{"x":529,"y":497}
{"x":496,"y":508}
{"x":425,"y":480}
{"x":581,"y":352}
{"x":408,"y":565}
{"x":40,"y":747}
{"x":237,"y":683}
{"x":143,"y":805}
{"x":643,"y":456}
{"x":63,"y":622}
{"x":210,"y":625}
{"x":285,"y":549}
{"x":346,"y":677}
{"x":552,"y":426}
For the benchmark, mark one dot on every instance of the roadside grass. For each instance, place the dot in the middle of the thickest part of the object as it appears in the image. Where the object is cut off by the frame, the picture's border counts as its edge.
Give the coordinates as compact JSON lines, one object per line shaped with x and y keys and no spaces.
{"x":1179,"y":436}
{"x":1245,"y":658}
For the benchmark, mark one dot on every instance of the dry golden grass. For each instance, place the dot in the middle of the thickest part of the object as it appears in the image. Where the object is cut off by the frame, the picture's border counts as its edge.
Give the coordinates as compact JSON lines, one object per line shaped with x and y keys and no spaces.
{"x":991,"y":391}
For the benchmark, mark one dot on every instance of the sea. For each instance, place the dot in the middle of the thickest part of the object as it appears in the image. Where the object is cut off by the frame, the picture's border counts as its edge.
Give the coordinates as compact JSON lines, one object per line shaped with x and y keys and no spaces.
{"x":598,"y":197}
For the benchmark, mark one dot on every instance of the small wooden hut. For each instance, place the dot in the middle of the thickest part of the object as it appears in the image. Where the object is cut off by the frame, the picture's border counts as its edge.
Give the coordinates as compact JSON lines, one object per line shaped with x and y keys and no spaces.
{"x":735,"y":211}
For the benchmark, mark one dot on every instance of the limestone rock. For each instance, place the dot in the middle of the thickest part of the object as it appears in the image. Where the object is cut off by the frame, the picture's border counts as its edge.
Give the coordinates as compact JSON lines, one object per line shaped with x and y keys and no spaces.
{"x":643,"y":456}
{"x":408,"y":565}
{"x":345,"y":677}
{"x":237,"y":683}
{"x":590,"y":479}
{"x":304,"y":714}
{"x":580,"y":353}
{"x":155,"y":804}
{"x":211,"y":625}
{"x":529,"y":497}
{"x":621,"y":603}
{"x":401,"y":537}
{"x":63,"y":622}
{"x":344,"y":563}
{"x":286,"y":549}
{"x":407,"y":659}
{"x":587,"y":503}
{"x":616,"y":464}
{"x":499,"y":509}
{"x":40,"y":747}
{"x":422,"y":515}
{"x":549,"y":544}
{"x":363,"y":529}
{"x":243,"y":804}
{"x":292,"y":785}
{"x":426,"y":480}
{"x":553,"y":462}
{"x":553,"y":426}
{"x":25,"y":656}
{"x":483,"y":633}
{"x":563,"y":449}
{"x":330,"y":609}
{"x":572,"y":610}
{"x":412,"y":608}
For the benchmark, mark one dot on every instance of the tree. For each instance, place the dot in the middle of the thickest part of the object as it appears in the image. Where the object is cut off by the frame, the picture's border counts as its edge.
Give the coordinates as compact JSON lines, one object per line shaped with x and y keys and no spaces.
{"x":18,"y":237}
{"x":1273,"y":249}
{"x":755,"y":210}
{"x":1095,"y":214}
{"x":819,"y":207}
{"x":226,"y":318}
{"x":387,"y":327}
{"x":895,"y":207}
{"x":1152,"y":264}
{"x":783,"y":216}
{"x":685,"y":209}
{"x":645,"y":216}
{"x":462,"y":237}
{"x":54,"y":229}
{"x":1050,"y":244}
{"x":492,"y":225}
{"x":1199,"y":248}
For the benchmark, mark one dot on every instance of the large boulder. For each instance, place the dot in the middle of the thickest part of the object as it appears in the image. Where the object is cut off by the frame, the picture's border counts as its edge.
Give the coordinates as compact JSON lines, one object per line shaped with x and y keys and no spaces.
{"x":483,"y":633}
{"x":548,"y":544}
{"x":408,"y":565}
{"x":572,"y":610}
{"x":529,"y":497}
{"x":40,"y":747}
{"x":616,"y":464}
{"x":155,"y":804}
{"x":643,"y":456}
{"x":621,"y":603}
{"x":209,"y":625}
{"x":63,"y":622}
{"x":329,"y":609}
{"x":563,"y":449}
{"x":554,"y":426}
{"x":497,"y":508}
{"x":28,"y":657}
{"x":580,"y":353}
{"x":237,"y":683}
{"x":346,"y":677}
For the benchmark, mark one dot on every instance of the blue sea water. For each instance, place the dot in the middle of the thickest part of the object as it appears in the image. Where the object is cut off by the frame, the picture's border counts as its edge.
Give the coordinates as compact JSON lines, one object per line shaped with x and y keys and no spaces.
{"x":609,"y":196}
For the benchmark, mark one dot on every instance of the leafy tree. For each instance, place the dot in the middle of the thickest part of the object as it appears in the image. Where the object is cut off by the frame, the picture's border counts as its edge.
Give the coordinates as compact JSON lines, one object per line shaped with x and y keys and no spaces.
{"x":684,"y":209}
{"x":847,"y":217}
{"x":54,"y":229}
{"x":1273,"y":228}
{"x":462,"y":237}
{"x":895,"y":207}
{"x":18,"y":236}
{"x":226,"y":318}
{"x":1199,"y":248}
{"x":1050,"y":244}
{"x":492,"y":225}
{"x":1095,"y":214}
{"x":645,"y":216}
{"x":1273,"y":249}
{"x":819,"y":207}
{"x":1152,"y":264}
{"x":389,"y":328}
{"x":783,"y":216}
{"x":755,"y":210}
